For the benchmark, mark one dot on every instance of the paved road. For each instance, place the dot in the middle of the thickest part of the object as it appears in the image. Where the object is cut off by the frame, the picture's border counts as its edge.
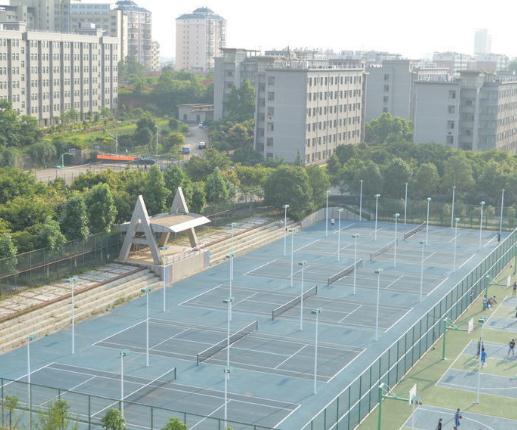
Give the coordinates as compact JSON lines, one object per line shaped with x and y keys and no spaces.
{"x":193,"y":138}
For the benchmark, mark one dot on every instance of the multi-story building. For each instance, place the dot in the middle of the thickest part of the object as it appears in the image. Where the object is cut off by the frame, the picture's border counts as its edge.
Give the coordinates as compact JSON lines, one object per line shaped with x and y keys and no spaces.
{"x":46,"y":74}
{"x":200,"y":36}
{"x":87,"y":17}
{"x":310,"y":112}
{"x":139,"y":22}
{"x":489,"y":63}
{"x":482,"y":42}
{"x":46,"y":15}
{"x":155,"y":58}
{"x":9,"y":13}
{"x":454,"y":62}
{"x":476,"y":112}
{"x":390,"y":87}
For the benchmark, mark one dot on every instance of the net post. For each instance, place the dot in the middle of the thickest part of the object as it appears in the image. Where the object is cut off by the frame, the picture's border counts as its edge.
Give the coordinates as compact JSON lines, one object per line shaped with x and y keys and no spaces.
{"x":152,"y":418}
{"x":197,"y":359}
{"x":185,"y":417}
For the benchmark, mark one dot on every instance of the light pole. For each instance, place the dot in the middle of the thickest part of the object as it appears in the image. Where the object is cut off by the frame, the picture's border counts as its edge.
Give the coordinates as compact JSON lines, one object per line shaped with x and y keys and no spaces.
{"x":29,"y":371}
{"x":146,"y":291}
{"x":452,"y":206}
{"x":165,"y":288}
{"x":292,"y":258}
{"x":376,"y":213}
{"x":501,"y":215}
{"x":378,"y":273}
{"x":316,"y":312}
{"x":397,"y":215}
{"x":285,"y":228}
{"x":339,"y":212}
{"x":228,"y":302}
{"x":230,"y":258}
{"x":361,"y":201}
{"x":455,"y":241}
{"x":302,"y":265}
{"x":122,"y":355}
{"x":482,"y":204}
{"x":232,"y":226}
{"x":327,"y":215}
{"x":405,"y":204}
{"x":422,"y":270}
{"x":72,"y":282}
{"x":226,"y":378}
{"x":62,"y":165}
{"x":427,"y":222}
{"x":355,"y":236}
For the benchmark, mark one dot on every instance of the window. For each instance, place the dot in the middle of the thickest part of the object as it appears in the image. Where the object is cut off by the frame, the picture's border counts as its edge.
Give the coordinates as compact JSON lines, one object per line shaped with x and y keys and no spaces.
{"x":269,"y":141}
{"x":452,"y":94}
{"x":450,"y":125}
{"x":386,"y":99}
{"x":450,"y":140}
{"x":451,"y":109}
{"x":270,"y":96}
{"x":386,"y":87}
{"x":271,"y":80}
{"x":386,"y":76}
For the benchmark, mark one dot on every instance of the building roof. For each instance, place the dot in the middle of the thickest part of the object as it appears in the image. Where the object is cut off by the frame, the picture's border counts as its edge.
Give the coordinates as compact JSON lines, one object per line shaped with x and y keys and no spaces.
{"x":201,"y":13}
{"x":130,"y":6}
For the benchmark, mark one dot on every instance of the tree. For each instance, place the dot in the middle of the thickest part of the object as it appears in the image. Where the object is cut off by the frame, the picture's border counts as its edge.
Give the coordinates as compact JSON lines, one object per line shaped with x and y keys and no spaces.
{"x":16,"y":182}
{"x":74,"y":218}
{"x":247,"y":156}
{"x":155,"y":194}
{"x":113,"y":420}
{"x":143,"y":136}
{"x":426,"y":180}
{"x":198,"y":200}
{"x":369,"y":173}
{"x":289,"y":185}
{"x":396,"y":174}
{"x":216,"y":187}
{"x":56,"y":417}
{"x":11,"y":403}
{"x":101,"y":208}
{"x":47,"y":235}
{"x":24,"y":212}
{"x":174,"y":424}
{"x":17,"y":131}
{"x":388,"y":129}
{"x":173,"y":140}
{"x":8,"y":253}
{"x":198,"y":168}
{"x":457,"y":171}
{"x":240,"y":105}
{"x":320,"y":183}
{"x":42,"y":153}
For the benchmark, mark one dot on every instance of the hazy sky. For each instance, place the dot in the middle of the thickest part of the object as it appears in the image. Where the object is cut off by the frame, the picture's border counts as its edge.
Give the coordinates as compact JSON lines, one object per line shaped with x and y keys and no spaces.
{"x":411,"y":27}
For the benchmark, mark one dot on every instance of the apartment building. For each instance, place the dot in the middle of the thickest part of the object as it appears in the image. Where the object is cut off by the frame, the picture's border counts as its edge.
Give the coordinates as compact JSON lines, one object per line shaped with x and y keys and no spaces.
{"x":482,"y":42}
{"x":309,"y":112}
{"x":390,"y":87}
{"x":454,"y":62}
{"x":90,"y":17}
{"x":46,"y":74}
{"x":475,"y":112}
{"x":46,"y":15}
{"x":155,"y":57}
{"x":200,"y":36}
{"x":139,"y":22}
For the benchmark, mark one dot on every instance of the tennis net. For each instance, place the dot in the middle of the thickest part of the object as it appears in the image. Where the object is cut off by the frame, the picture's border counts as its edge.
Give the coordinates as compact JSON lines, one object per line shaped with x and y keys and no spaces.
{"x":346,"y":271}
{"x":414,"y":231}
{"x":382,"y":250}
{"x":219,"y":346}
{"x":292,"y":303}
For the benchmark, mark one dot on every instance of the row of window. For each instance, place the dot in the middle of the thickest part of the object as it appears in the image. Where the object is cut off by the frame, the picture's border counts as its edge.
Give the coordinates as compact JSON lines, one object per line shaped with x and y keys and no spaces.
{"x":324,"y":110}
{"x":331,"y":95}
{"x":342,"y":122}
{"x":334,"y":80}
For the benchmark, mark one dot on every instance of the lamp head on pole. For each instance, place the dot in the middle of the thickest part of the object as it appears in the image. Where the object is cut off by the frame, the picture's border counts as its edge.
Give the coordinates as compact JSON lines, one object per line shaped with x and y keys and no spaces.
{"x":316,"y":311}
{"x":397,"y":215}
{"x":457,"y":220}
{"x":355,"y":235}
{"x":286,"y":207}
{"x":428,"y":199}
{"x":378,"y":271}
{"x":482,"y":203}
{"x":145,"y":290}
{"x":228,"y":300}
{"x":302,"y":263}
{"x":123,"y":354}
{"x":377,"y":196}
{"x":340,"y":210}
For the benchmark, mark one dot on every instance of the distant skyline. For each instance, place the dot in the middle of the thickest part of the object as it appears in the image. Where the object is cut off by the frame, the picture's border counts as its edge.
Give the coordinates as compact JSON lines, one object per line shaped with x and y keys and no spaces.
{"x":400,"y":26}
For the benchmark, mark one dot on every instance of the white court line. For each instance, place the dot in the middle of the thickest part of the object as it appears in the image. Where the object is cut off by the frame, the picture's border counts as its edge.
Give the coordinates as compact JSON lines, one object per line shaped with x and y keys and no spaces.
{"x":495,"y":311}
{"x":246,"y":298}
{"x":396,"y":322}
{"x":393,"y":282}
{"x":200,"y":294}
{"x":466,"y":261}
{"x":260,"y":267}
{"x":435,"y":288}
{"x":291,"y":356}
{"x":307,"y":245}
{"x":349,"y":313}
{"x":169,"y":338}
{"x":68,"y":389}
{"x":453,"y":362}
{"x":118,"y":332}
{"x":32,"y":373}
{"x":210,"y":414}
{"x":346,"y":365}
{"x":430,"y":255}
{"x":491,"y":240}
{"x":287,"y":416}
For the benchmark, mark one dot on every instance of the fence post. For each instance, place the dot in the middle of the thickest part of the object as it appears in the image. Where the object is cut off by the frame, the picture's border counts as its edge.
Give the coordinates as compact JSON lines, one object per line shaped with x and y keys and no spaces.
{"x":152,"y":417}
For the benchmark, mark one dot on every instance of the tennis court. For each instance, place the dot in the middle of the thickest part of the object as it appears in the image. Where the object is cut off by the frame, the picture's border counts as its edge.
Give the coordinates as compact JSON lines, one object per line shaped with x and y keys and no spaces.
{"x":275,"y":364}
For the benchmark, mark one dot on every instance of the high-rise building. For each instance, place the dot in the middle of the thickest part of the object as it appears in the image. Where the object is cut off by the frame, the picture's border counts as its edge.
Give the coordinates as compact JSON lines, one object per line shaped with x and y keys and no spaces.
{"x":49,"y":74}
{"x":155,"y":60}
{"x":476,"y":112}
{"x":47,"y":15}
{"x":455,"y":62}
{"x":90,"y":17}
{"x":389,"y":87}
{"x":139,"y":21}
{"x":482,"y":42}
{"x":200,"y":36}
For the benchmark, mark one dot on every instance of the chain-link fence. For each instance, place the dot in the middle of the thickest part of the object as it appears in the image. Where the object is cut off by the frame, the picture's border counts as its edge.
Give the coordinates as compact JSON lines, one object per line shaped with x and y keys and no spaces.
{"x":27,"y":404}
{"x":440,"y":212}
{"x":43,"y":265}
{"x":361,"y":396}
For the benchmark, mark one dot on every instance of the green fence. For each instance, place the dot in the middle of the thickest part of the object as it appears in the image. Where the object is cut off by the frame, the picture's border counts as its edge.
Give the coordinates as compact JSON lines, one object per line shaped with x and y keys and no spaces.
{"x":87,"y":410}
{"x":440,"y":211}
{"x":361,"y":396}
{"x":43,"y":265}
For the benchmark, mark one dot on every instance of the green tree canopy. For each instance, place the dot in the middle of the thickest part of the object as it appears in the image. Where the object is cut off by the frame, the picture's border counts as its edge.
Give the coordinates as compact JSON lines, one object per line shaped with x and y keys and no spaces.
{"x":74,"y":218}
{"x":217,"y":188}
{"x":289,"y":185}
{"x":425,"y":180}
{"x":113,"y":420}
{"x":457,"y":171}
{"x":388,"y":129}
{"x":396,"y":174}
{"x":8,"y":253}
{"x":101,"y":208}
{"x":174,"y":424}
{"x":240,"y":105}
{"x":320,"y":183}
{"x":156,"y":192}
